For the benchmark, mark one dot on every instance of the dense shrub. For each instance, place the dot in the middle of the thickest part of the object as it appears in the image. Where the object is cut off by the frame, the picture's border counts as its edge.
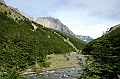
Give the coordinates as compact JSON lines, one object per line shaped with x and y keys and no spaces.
{"x":106,"y":56}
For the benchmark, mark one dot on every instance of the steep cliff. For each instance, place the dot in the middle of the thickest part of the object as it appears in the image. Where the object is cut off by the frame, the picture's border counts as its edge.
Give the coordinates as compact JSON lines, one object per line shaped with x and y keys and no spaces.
{"x":56,"y":24}
{"x":16,"y":9}
{"x":30,"y":18}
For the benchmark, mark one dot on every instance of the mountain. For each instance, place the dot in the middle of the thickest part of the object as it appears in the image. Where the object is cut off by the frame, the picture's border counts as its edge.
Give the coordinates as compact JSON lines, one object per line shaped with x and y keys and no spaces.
{"x":23,"y":43}
{"x":113,"y":28}
{"x":56,"y":24}
{"x":16,"y":9}
{"x":2,"y":1}
{"x":11,"y":12}
{"x":105,"y":52}
{"x":30,"y":18}
{"x":111,"y":33}
{"x":85,"y":38}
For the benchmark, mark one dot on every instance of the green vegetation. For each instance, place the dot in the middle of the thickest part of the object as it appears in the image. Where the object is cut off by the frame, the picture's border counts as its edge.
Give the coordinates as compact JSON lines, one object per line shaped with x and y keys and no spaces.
{"x":21,"y":46}
{"x":79,"y":44}
{"x":105,"y":57}
{"x":10,"y":12}
{"x":60,"y":61}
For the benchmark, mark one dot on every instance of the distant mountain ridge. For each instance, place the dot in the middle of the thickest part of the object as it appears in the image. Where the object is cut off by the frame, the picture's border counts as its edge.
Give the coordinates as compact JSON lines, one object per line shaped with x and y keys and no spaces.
{"x":51,"y":22}
{"x":85,"y":38}
{"x":56,"y":24}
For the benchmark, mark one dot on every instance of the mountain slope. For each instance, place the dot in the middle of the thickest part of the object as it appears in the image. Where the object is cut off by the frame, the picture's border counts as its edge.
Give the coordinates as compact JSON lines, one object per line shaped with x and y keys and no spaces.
{"x":106,"y":54}
{"x":113,"y":28}
{"x":2,"y":1}
{"x":50,"y":22}
{"x":11,"y":12}
{"x":56,"y":24}
{"x":21,"y":46}
{"x":85,"y":38}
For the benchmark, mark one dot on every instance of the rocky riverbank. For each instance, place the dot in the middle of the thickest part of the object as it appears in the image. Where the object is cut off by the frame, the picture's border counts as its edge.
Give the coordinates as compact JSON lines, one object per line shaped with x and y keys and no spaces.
{"x":59,"y":61}
{"x":62,"y":67}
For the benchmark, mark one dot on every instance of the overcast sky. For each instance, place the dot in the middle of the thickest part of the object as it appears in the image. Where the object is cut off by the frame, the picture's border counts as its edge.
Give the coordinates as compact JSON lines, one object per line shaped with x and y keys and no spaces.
{"x":83,"y":17}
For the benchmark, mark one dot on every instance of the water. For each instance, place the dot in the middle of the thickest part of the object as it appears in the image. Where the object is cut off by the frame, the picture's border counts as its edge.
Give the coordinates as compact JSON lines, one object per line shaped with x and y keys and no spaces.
{"x":66,"y":73}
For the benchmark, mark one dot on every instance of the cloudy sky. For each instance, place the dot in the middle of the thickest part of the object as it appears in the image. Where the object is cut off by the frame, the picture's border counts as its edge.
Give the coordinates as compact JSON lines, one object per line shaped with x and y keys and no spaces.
{"x":83,"y":17}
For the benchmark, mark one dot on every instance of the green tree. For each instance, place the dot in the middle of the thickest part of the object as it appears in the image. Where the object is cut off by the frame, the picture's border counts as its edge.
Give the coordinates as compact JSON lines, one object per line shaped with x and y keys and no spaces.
{"x":105,"y":52}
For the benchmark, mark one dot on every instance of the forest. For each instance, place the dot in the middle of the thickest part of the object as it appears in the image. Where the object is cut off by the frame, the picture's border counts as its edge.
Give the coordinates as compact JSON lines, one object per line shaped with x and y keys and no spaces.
{"x":21,"y":46}
{"x":104,"y":56}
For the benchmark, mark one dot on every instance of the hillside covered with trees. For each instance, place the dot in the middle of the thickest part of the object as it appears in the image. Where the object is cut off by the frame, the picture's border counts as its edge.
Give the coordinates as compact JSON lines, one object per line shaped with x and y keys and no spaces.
{"x":104,"y":60}
{"x":21,"y":46}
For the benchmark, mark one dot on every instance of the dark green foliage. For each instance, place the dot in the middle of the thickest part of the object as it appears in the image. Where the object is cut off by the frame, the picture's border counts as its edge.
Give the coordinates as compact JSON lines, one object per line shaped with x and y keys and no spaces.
{"x":79,"y":44}
{"x":5,"y":13}
{"x":9,"y":13}
{"x":106,"y":52}
{"x":21,"y":46}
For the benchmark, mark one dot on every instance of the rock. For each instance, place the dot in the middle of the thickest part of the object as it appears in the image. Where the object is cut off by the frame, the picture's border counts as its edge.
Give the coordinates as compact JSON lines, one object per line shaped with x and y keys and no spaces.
{"x":36,"y":65}
{"x":56,"y":24}
{"x":34,"y":26}
{"x":2,"y":1}
{"x":22,"y":13}
{"x":85,"y":38}
{"x":16,"y":9}
{"x":113,"y":28}
{"x":26,"y":73}
{"x":30,"y":18}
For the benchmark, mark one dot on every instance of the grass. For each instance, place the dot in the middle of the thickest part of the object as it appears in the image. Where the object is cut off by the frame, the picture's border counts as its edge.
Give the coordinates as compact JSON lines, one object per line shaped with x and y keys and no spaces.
{"x":60,"y":61}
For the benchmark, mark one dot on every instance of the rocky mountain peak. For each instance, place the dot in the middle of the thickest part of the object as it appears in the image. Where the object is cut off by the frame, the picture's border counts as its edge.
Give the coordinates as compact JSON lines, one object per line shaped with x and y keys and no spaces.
{"x":85,"y":38}
{"x":56,"y":24}
{"x":16,"y":9}
{"x":55,"y":20}
{"x":114,"y":27}
{"x":22,"y":13}
{"x":2,"y":1}
{"x":30,"y":18}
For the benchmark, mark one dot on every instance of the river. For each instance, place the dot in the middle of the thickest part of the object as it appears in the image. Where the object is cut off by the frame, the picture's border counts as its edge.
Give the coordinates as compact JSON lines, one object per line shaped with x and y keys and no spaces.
{"x":65,"y":73}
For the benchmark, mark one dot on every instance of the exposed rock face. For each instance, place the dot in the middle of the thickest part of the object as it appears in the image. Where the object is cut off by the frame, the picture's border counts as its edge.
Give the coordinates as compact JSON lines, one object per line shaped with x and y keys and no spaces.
{"x":30,"y":18}
{"x":2,"y":1}
{"x":56,"y":24}
{"x":22,"y":13}
{"x":16,"y":9}
{"x":111,"y":29}
{"x":114,"y":27}
{"x":85,"y":38}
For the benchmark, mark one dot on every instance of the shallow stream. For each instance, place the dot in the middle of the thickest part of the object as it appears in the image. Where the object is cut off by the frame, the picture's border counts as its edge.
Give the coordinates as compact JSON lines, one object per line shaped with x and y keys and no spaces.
{"x":65,"y":73}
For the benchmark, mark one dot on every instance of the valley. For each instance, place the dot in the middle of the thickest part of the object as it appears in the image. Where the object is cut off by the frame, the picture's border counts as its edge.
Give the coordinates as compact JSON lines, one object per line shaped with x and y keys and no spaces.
{"x":48,"y":49}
